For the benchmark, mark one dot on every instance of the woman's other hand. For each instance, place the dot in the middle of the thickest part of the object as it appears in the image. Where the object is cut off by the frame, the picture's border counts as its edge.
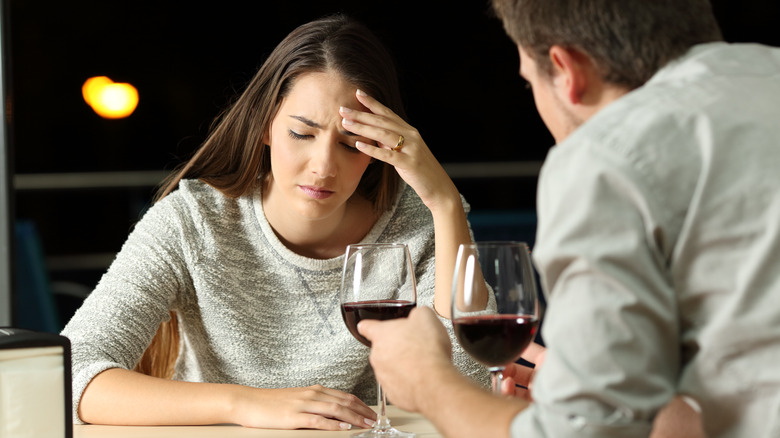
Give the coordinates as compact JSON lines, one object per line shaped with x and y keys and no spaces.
{"x":518,"y":379}
{"x":312,"y":407}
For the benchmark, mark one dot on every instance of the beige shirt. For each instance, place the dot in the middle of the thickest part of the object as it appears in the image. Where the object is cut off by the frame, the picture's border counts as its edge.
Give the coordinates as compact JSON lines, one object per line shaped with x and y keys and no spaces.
{"x":659,"y":248}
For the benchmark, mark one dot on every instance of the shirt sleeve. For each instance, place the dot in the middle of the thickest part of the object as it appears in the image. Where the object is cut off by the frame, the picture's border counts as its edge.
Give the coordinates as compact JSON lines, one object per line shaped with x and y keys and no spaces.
{"x":611,"y":323}
{"x":116,"y":322}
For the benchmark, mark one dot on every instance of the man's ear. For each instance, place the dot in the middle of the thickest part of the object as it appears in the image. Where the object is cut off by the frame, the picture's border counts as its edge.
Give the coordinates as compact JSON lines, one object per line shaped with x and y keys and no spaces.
{"x":570,"y":73}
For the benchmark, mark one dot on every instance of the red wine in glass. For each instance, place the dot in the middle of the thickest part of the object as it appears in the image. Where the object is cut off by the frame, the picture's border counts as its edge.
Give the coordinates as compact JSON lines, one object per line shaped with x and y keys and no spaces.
{"x":495,"y":312}
{"x":354,"y":312}
{"x":495,"y":340}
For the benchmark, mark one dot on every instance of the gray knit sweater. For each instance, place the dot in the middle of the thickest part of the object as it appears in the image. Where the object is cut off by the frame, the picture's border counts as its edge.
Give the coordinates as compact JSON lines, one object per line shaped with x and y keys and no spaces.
{"x":251,"y":311}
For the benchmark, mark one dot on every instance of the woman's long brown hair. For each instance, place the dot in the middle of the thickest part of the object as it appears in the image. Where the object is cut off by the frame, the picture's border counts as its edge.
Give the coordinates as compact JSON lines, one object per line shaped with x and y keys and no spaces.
{"x":234,"y":160}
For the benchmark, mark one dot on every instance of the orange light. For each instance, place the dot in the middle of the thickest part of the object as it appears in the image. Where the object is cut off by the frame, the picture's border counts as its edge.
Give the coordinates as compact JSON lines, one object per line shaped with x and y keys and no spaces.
{"x":108,"y":99}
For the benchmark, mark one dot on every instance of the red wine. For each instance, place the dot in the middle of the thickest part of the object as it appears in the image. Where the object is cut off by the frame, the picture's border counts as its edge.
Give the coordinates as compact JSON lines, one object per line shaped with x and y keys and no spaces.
{"x":357,"y":311}
{"x":495,"y":340}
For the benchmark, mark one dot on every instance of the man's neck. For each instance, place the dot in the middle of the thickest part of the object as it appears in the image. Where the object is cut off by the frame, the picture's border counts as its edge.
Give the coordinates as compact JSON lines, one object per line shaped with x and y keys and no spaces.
{"x":599,"y":97}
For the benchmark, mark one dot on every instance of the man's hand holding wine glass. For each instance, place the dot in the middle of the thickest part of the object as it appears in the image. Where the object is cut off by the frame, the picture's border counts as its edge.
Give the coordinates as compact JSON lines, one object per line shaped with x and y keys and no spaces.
{"x":418,"y":342}
{"x":411,"y":360}
{"x":421,"y":342}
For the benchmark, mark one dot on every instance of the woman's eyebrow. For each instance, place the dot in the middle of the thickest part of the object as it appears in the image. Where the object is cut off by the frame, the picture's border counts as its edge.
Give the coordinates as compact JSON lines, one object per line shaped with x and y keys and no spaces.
{"x":308,"y":122}
{"x":313,"y":124}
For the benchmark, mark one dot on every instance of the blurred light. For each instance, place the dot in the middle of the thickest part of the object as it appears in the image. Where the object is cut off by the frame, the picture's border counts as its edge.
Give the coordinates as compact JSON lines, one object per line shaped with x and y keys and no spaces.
{"x":108,"y":99}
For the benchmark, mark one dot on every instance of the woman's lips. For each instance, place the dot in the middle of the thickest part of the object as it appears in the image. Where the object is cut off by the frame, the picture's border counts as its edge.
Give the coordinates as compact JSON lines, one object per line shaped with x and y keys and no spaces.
{"x":316,"y":192}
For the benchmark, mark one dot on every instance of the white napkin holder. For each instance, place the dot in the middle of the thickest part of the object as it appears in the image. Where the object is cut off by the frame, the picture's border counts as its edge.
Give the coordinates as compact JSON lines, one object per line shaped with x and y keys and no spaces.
{"x":35,"y":385}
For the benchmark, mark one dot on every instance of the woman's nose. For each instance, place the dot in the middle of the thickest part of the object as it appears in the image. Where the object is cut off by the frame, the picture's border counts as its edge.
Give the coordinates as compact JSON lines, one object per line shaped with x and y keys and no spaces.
{"x":323,"y":160}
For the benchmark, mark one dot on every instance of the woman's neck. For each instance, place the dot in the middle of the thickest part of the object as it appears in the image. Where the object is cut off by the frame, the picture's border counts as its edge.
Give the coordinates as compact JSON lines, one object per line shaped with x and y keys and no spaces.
{"x":322,"y":238}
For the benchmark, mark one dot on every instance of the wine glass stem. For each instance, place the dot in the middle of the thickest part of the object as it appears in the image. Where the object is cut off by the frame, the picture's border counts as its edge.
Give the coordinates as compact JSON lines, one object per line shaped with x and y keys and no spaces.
{"x":382,"y":422}
{"x":497,"y":375}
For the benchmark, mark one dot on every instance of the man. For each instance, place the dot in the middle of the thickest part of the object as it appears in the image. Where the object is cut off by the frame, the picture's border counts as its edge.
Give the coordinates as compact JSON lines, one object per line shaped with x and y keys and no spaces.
{"x":658,"y":242}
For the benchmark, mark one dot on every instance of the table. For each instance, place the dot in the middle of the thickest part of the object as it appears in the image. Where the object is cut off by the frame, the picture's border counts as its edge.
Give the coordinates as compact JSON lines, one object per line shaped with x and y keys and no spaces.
{"x":401,"y":419}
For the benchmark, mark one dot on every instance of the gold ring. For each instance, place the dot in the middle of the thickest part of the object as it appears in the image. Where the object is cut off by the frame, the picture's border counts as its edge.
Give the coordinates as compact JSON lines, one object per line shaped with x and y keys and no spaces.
{"x":400,"y":144}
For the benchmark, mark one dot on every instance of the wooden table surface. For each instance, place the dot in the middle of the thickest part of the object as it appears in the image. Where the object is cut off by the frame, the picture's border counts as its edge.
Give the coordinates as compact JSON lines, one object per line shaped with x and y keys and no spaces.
{"x":400,"y":419}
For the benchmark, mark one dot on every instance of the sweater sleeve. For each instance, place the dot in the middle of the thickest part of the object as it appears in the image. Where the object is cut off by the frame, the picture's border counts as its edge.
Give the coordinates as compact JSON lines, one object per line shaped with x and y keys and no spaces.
{"x":116,"y":323}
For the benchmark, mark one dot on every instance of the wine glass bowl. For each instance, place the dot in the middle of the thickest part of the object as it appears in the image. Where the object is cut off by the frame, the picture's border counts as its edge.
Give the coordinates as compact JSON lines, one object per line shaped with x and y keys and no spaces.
{"x":495,"y":340}
{"x":495,"y":311}
{"x":356,"y":311}
{"x":377,"y":283}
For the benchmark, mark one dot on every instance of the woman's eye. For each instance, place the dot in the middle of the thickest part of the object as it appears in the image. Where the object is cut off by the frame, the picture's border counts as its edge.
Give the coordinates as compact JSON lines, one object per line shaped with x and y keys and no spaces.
{"x":349,"y":148}
{"x":297,"y":136}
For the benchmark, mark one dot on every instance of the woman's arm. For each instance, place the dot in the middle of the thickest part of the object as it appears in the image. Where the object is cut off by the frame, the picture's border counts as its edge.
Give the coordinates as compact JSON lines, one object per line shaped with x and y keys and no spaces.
{"x":148,"y":400}
{"x":415,"y":163}
{"x":117,"y":321}
{"x":451,"y":230}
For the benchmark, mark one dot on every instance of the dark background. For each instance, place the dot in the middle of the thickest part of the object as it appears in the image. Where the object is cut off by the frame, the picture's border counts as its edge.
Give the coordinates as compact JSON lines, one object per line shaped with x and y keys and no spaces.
{"x":187,"y":60}
{"x":458,"y":72}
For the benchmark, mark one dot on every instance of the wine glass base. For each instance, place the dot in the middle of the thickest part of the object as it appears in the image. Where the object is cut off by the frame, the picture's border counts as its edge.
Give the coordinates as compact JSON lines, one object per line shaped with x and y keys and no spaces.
{"x":390,"y":432}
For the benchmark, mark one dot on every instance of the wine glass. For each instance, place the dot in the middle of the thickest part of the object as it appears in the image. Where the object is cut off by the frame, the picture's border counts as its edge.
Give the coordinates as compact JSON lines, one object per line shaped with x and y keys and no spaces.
{"x":495,"y":312}
{"x":377,"y":283}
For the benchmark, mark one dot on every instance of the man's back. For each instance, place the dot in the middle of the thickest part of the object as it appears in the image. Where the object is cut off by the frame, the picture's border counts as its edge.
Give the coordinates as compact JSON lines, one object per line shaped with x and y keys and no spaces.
{"x":659,"y":242}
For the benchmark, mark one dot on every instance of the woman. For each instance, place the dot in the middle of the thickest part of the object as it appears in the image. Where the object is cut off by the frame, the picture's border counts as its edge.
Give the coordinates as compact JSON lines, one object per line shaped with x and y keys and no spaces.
{"x":245,"y":245}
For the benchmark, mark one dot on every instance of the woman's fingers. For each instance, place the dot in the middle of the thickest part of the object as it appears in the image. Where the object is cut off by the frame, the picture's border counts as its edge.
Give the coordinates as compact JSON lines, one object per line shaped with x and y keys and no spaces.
{"x":313,"y":407}
{"x":314,"y":421}
{"x":534,"y":354}
{"x":377,"y":107}
{"x":511,"y":389}
{"x":339,"y":401}
{"x":378,"y":128}
{"x":380,"y":123}
{"x":378,"y":153}
{"x":335,"y":416}
{"x":518,"y":373}
{"x":524,"y":375}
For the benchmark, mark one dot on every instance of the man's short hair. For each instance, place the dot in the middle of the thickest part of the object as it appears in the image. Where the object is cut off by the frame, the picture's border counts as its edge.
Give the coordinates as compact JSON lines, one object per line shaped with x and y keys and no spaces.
{"x":628,"y":41}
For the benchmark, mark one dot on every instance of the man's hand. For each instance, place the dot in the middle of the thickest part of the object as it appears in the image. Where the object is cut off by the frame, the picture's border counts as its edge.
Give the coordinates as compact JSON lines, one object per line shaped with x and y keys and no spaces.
{"x":409,"y":355}
{"x":412,"y":360}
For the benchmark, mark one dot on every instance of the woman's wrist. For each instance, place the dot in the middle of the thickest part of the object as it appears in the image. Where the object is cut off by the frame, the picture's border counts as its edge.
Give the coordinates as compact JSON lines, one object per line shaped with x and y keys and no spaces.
{"x":446,"y":205}
{"x":229,"y":404}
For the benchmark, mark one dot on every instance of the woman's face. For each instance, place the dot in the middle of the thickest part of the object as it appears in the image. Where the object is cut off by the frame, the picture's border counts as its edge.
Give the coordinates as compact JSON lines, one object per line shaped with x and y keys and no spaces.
{"x":315,"y":167}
